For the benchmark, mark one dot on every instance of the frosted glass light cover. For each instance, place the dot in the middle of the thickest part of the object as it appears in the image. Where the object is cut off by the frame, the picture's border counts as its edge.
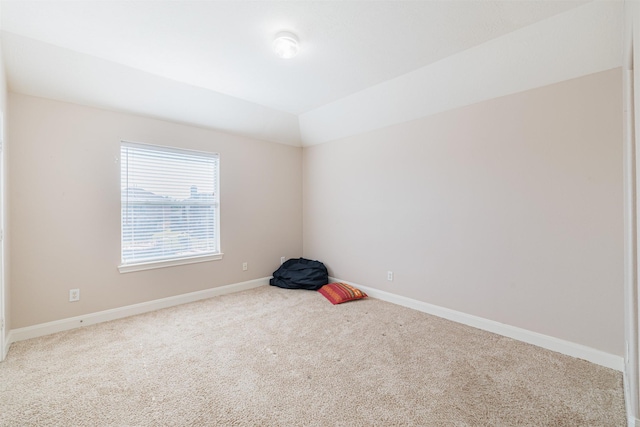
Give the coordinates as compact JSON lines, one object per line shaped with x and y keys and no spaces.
{"x":285,"y":45}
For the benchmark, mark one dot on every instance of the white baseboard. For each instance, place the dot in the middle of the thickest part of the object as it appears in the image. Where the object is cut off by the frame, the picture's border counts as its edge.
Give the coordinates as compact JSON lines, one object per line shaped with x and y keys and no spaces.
{"x":631,"y":420}
{"x":550,"y":343}
{"x":7,"y":344}
{"x":130,"y":310}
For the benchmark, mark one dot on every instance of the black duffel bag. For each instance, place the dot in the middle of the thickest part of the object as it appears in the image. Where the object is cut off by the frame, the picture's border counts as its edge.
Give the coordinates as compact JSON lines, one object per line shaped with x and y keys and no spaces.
{"x":300,"y":273}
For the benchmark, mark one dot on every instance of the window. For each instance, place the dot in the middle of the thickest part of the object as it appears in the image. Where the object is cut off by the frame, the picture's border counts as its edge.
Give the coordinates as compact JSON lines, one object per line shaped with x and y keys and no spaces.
{"x":170,"y":206}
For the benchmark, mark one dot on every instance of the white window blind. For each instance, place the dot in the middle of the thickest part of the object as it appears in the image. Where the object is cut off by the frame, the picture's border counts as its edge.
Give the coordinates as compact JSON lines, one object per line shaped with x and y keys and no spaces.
{"x":170,"y":203}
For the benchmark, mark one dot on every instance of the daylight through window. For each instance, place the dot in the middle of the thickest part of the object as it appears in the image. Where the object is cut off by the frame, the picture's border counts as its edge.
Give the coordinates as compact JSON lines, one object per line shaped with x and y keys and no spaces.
{"x":170,"y":205}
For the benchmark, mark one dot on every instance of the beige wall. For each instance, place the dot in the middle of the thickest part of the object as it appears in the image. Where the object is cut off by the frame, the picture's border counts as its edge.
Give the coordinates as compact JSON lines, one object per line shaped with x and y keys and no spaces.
{"x":510,"y":209}
{"x":65,"y":209}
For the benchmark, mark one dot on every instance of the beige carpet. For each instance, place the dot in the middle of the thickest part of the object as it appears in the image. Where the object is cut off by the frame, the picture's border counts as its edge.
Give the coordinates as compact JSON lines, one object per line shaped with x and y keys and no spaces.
{"x":274,"y":357}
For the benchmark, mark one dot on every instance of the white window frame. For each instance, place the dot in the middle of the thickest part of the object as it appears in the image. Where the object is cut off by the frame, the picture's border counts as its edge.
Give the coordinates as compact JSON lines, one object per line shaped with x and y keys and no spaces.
{"x":178,"y":260}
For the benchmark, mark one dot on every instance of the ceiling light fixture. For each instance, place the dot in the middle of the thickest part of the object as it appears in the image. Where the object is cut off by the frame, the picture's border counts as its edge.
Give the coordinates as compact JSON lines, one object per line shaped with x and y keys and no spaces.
{"x":285,"y":45}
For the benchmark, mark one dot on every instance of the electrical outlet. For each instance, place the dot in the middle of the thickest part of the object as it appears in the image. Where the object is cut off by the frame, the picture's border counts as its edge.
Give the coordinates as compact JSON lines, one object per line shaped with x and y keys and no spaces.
{"x":390,"y":276}
{"x":282,"y":260}
{"x":245,"y":266}
{"x":74,"y":295}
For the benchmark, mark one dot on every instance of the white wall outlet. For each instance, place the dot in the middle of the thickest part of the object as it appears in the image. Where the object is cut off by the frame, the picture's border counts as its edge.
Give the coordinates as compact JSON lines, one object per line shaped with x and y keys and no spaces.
{"x":282,"y":260}
{"x":245,"y":266}
{"x":74,"y":295}
{"x":390,"y":276}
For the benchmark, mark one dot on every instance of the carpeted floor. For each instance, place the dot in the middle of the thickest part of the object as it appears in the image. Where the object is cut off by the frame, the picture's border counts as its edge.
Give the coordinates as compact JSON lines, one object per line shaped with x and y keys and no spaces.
{"x":274,"y":357}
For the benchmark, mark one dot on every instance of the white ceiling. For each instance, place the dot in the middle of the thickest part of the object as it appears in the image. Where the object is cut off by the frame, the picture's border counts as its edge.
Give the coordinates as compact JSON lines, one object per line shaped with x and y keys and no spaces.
{"x":209,"y":56}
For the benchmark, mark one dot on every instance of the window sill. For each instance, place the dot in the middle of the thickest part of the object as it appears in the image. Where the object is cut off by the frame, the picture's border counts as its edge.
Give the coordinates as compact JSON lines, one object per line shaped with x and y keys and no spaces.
{"x":128,"y":268}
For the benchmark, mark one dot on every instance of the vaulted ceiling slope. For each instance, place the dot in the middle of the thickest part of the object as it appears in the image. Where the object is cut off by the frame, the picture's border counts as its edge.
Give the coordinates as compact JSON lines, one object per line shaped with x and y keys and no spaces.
{"x":362,"y":65}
